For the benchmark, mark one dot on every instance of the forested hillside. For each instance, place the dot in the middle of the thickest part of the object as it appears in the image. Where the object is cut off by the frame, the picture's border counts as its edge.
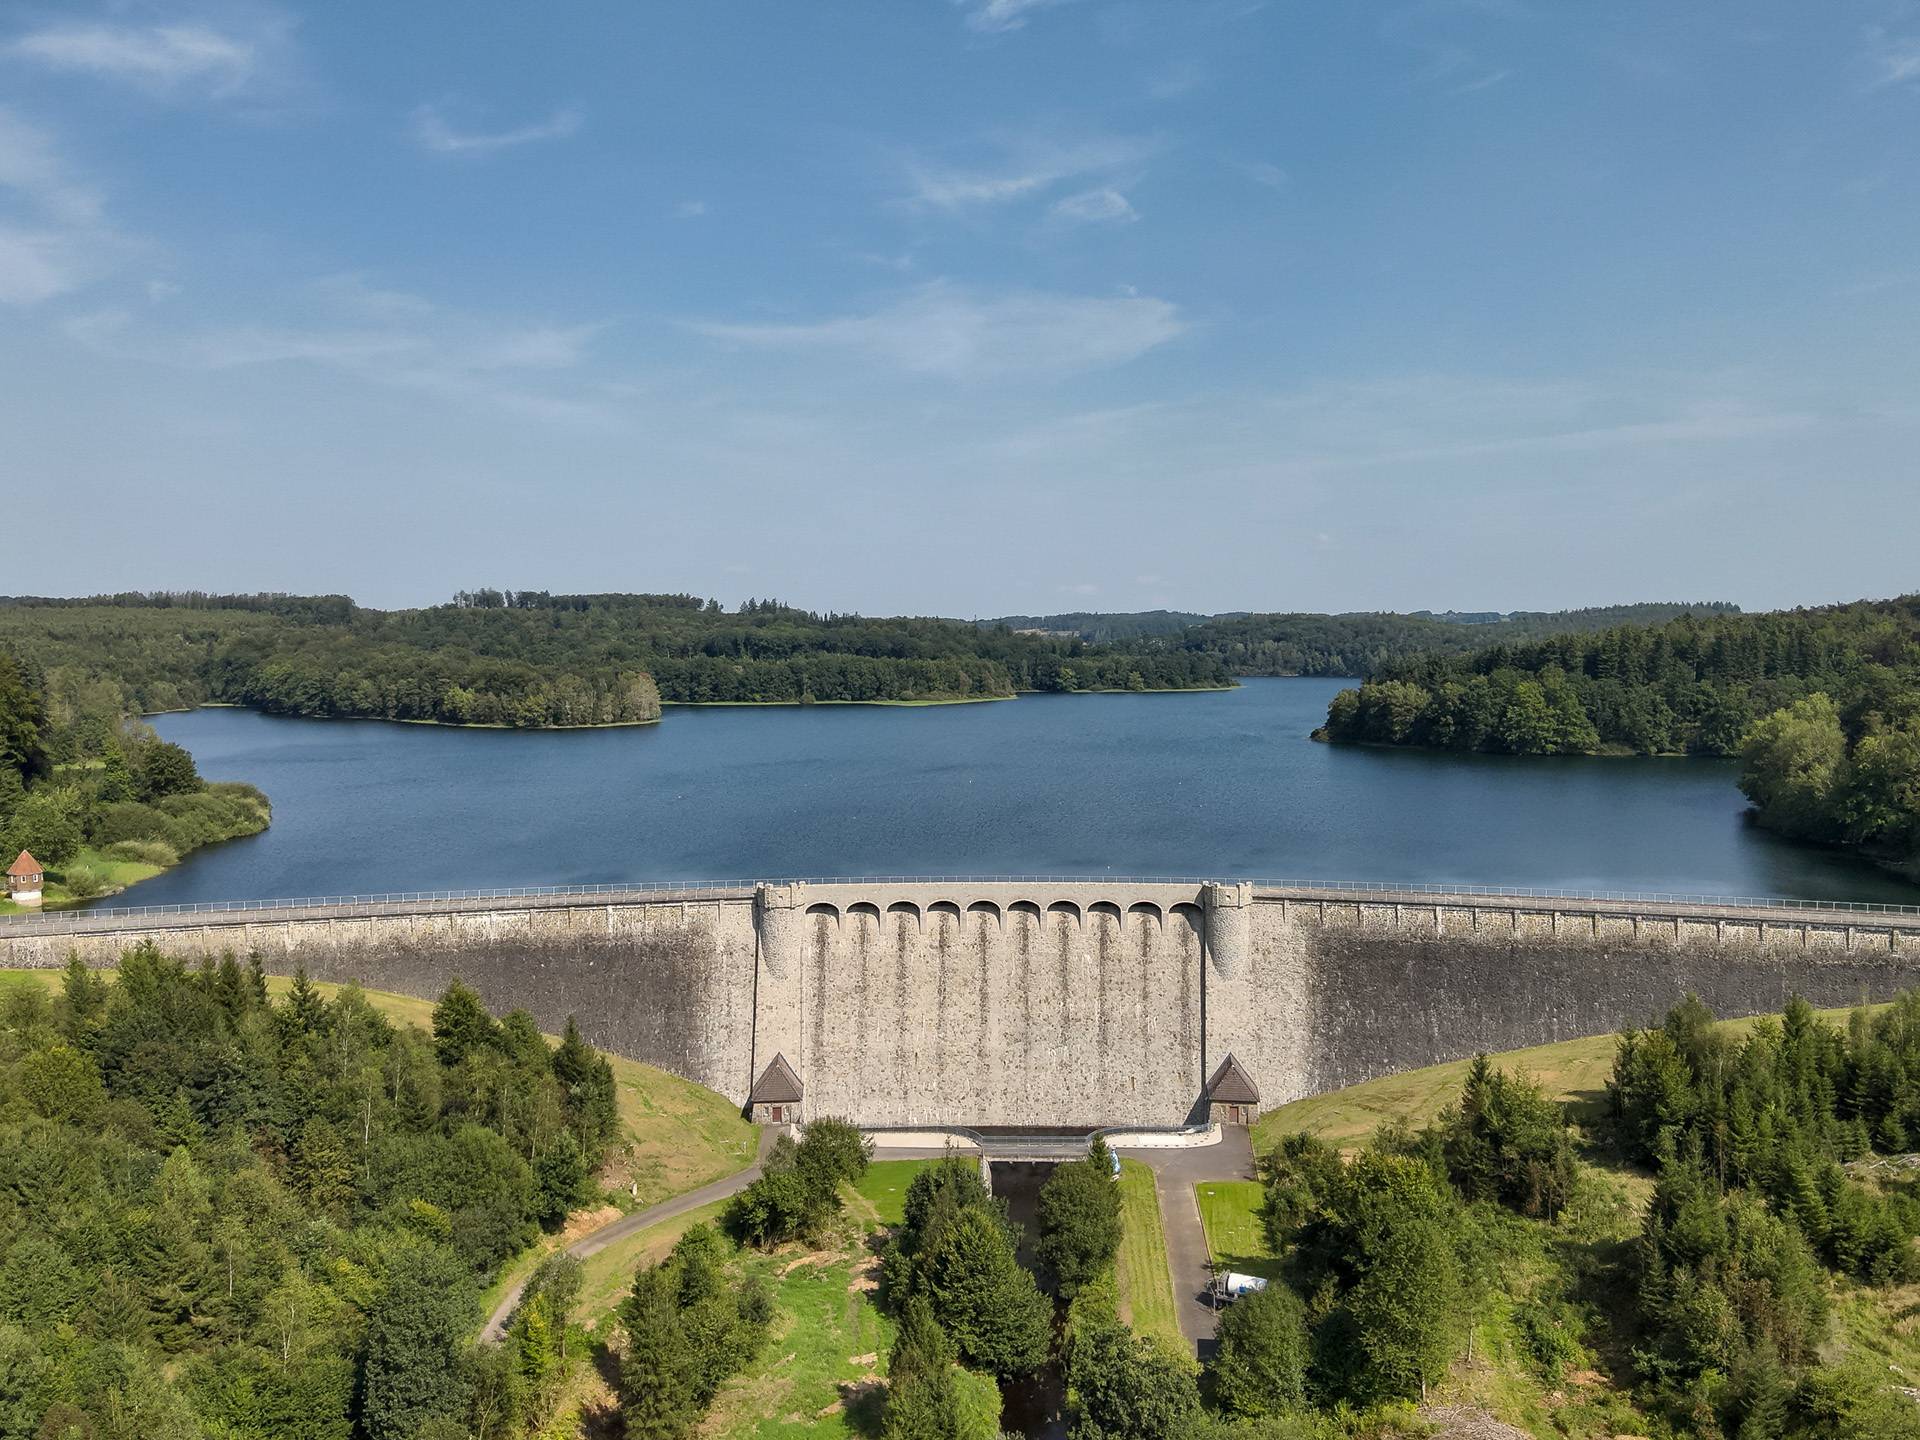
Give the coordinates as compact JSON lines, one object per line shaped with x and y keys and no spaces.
{"x":97,"y":798}
{"x":1357,"y":644}
{"x":530,"y":659}
{"x":1367,"y":643}
{"x":222,"y":1216}
{"x":1823,"y":705}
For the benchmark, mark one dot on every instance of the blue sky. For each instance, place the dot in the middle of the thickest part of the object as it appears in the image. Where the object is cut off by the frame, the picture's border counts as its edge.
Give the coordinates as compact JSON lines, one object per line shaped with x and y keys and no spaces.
{"x":965,"y":306}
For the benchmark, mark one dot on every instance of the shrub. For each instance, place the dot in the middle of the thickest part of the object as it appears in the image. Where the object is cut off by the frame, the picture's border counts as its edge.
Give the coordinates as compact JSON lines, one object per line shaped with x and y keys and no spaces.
{"x":800,"y":1189}
{"x":130,"y":820}
{"x":83,"y":881}
{"x":144,"y":852}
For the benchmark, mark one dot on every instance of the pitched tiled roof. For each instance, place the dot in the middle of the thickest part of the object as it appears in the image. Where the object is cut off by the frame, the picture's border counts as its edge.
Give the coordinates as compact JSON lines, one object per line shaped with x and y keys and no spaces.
{"x":25,"y":865}
{"x":777,"y":1085}
{"x":1231,"y":1085}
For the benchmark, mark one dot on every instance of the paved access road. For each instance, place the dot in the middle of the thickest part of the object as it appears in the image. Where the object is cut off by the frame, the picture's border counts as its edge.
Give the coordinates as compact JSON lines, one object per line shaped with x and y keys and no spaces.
{"x":1175,"y":1173}
{"x":595,"y":1241}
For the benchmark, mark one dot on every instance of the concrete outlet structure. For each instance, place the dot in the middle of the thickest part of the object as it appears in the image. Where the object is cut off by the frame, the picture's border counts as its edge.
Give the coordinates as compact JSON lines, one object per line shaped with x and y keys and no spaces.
{"x":1043,"y":1004}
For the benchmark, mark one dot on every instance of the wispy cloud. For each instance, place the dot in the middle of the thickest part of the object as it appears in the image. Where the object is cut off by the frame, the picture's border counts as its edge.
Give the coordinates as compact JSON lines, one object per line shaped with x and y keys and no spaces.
{"x":1450,"y":33}
{"x":53,"y":235}
{"x":247,"y":57}
{"x":1483,"y":82}
{"x":689,"y":209}
{"x":157,"y":56}
{"x":1177,"y":80}
{"x":949,"y":332}
{"x":1892,"y":59}
{"x":383,"y":337}
{"x":1029,"y":167}
{"x":1102,"y":205}
{"x":1262,"y":172}
{"x":433,"y":131}
{"x":996,"y":16}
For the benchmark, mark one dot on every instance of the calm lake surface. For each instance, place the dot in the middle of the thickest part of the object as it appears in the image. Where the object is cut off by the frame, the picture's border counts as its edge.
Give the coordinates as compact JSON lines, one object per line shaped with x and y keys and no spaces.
{"x":1223,"y":784}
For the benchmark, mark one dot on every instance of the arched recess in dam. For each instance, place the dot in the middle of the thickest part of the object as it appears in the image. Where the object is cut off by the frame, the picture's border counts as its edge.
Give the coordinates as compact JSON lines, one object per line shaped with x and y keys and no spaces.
{"x":1033,"y":1008}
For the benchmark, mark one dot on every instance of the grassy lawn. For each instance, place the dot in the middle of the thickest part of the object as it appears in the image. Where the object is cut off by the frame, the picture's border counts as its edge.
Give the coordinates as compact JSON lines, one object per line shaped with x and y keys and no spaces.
{"x":1230,"y":1211}
{"x":117,"y":873}
{"x":884,"y":1187}
{"x":820,"y":1374}
{"x":822,"y":1361}
{"x":1146,"y":1283}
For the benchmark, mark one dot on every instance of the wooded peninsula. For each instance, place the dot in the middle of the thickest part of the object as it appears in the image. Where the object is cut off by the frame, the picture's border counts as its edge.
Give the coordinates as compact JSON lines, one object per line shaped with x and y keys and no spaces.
{"x":1822,"y":705}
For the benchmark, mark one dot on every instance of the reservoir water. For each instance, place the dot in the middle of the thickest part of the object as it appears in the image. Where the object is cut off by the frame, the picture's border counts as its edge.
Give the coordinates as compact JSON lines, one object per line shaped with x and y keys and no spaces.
{"x":1219,"y":784}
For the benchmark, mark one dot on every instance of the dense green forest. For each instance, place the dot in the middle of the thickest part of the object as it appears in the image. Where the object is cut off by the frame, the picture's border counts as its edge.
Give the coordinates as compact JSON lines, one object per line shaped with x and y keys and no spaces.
{"x":99,"y":799}
{"x":1100,"y":628}
{"x":1823,"y":705}
{"x":530,"y":659}
{"x":226,"y":1217}
{"x":1366,"y":644}
{"x":1356,"y":644}
{"x":1718,"y":1319}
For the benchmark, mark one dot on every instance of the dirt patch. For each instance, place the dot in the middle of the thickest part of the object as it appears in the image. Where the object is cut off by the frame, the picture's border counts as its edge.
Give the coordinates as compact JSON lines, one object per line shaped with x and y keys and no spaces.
{"x":584,"y":1222}
{"x":1463,"y":1422}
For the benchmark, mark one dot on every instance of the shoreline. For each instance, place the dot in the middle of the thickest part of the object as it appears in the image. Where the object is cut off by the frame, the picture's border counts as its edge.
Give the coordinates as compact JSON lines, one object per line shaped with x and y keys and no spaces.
{"x":700,"y":705}
{"x":398,"y":720}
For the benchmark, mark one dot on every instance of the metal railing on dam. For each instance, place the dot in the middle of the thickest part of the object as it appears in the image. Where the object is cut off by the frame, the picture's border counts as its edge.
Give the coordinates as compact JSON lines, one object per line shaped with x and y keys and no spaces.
{"x":91,"y":916}
{"x":107,"y":917}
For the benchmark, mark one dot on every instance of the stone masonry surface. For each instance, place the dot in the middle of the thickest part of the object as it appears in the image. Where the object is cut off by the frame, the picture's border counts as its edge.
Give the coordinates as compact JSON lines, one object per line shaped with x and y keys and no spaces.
{"x":1044,"y":1004}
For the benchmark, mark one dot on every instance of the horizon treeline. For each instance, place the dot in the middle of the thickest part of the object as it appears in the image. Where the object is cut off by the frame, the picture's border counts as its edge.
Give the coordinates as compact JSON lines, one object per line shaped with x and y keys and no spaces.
{"x":1353,"y":643}
{"x":1822,"y":705}
{"x":532,"y":660}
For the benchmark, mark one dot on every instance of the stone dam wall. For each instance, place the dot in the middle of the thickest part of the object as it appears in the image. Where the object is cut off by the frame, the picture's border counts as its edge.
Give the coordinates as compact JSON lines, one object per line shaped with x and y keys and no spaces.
{"x":1043,"y":1004}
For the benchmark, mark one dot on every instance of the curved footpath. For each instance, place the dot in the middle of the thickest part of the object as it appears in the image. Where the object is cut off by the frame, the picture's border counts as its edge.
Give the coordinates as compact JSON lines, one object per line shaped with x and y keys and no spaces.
{"x":595,"y":1241}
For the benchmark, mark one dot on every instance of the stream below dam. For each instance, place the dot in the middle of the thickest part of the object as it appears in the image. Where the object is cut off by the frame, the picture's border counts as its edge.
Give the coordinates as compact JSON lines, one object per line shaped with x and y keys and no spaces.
{"x":1202,"y":784}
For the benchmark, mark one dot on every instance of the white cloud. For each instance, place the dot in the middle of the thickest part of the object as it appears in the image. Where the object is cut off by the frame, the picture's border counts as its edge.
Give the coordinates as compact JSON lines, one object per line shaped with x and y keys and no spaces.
{"x":31,"y":166}
{"x":1177,"y":80}
{"x":953,"y":333}
{"x":1894,"y":59}
{"x":1262,"y":172}
{"x":995,"y":16}
{"x":32,"y":267}
{"x":1032,"y":166}
{"x":433,"y":132}
{"x":160,"y":56}
{"x":248,"y":56}
{"x":1097,"y":206}
{"x":382,"y":337}
{"x":53,"y":236}
{"x":690,"y":210}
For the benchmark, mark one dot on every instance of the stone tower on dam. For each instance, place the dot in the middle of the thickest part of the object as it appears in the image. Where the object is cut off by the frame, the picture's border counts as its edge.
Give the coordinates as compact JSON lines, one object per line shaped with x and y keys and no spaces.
{"x":1042,"y":1003}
